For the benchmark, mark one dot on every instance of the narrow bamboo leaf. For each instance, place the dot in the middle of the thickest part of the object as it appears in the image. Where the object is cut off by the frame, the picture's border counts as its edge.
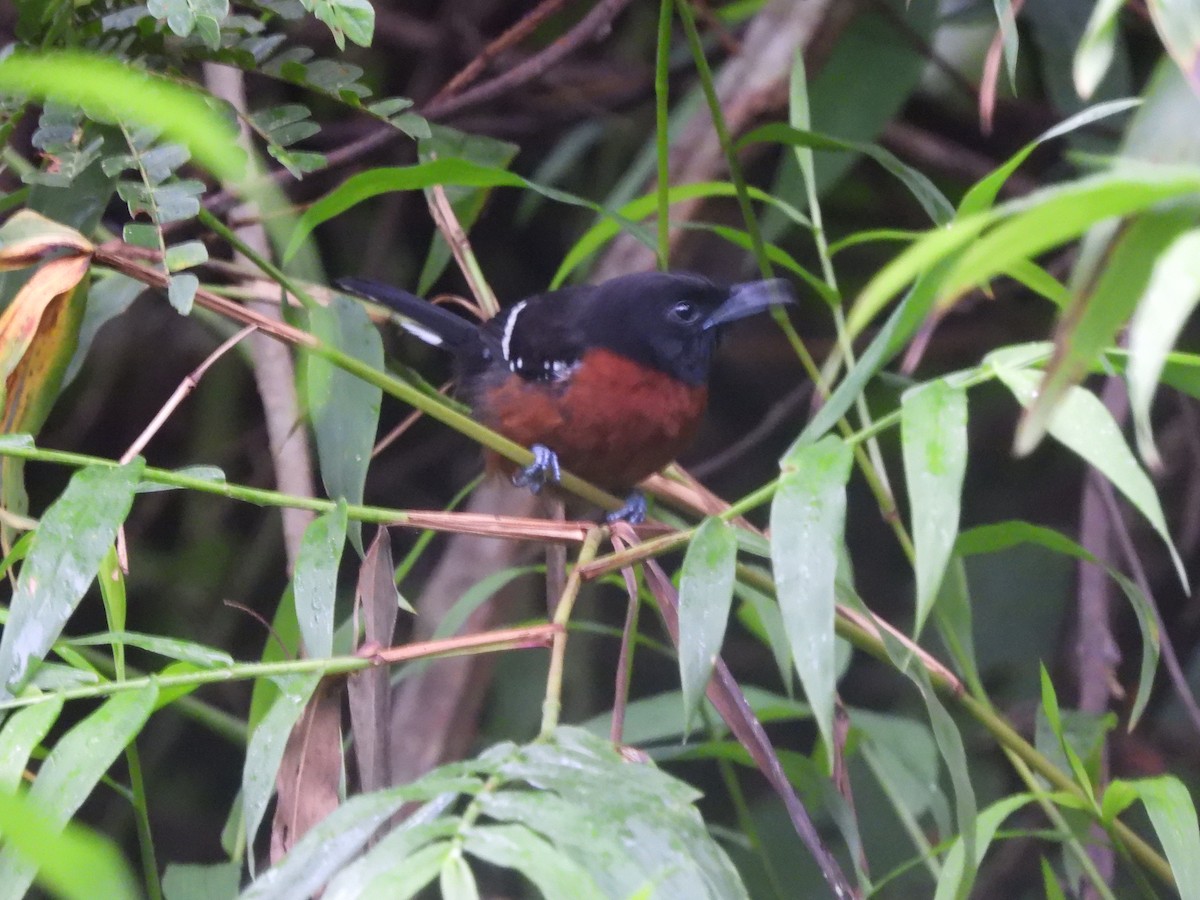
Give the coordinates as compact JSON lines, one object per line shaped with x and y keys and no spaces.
{"x":1004,"y":535}
{"x":342,"y":835}
{"x":807,"y":521}
{"x":23,"y":731}
{"x":894,"y":334}
{"x":64,"y":556}
{"x":635,"y":210}
{"x":446,"y":172}
{"x":954,"y":754}
{"x":395,"y":854}
{"x":1054,"y":719}
{"x":345,"y":409}
{"x":515,"y":847}
{"x":981,"y":196}
{"x":1050,"y":883}
{"x":456,"y":880}
{"x":416,"y":871}
{"x":952,"y":614}
{"x":1094,"y":54}
{"x":71,"y":772}
{"x":1166,"y":304}
{"x":933,"y":201}
{"x":1098,"y":309}
{"x":73,"y":863}
{"x":1173,"y":815}
{"x":1033,"y":224}
{"x":705,"y":595}
{"x":316,"y":580}
{"x":1082,"y":424}
{"x":1007,"y":20}
{"x":933,"y":435}
{"x":265,"y":749}
{"x":951,"y":885}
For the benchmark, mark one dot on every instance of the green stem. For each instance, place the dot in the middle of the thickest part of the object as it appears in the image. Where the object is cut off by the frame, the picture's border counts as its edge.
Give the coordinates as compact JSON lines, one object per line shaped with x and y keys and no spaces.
{"x":552,"y":705}
{"x":662,"y":140}
{"x":141,"y":815}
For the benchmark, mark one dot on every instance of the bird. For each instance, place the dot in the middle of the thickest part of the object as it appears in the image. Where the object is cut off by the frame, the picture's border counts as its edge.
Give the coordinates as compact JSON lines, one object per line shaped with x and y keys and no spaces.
{"x":608,"y":381}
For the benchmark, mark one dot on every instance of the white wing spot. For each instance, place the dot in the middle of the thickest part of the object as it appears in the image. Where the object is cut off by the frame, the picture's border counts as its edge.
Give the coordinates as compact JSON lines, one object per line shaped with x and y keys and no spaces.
{"x":509,"y":325}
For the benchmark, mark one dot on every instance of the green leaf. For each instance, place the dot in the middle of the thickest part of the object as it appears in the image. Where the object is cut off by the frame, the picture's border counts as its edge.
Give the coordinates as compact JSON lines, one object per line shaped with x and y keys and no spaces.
{"x":404,"y":860}
{"x":202,"y":881}
{"x":933,"y":201}
{"x":445,"y":172}
{"x":1165,"y":306}
{"x":705,"y":595}
{"x":1004,"y":535}
{"x":112,"y":90}
{"x":1007,"y":20}
{"x":981,"y":196}
{"x":467,"y":203}
{"x":316,"y":580}
{"x":933,"y":434}
{"x":951,"y":885}
{"x":1083,"y":425}
{"x":456,"y":880}
{"x":1054,"y":719}
{"x":24,"y":731}
{"x":1094,"y":54}
{"x":635,"y":210}
{"x":354,"y":19}
{"x":339,"y":837}
{"x":264,"y":751}
{"x":514,"y":847}
{"x":73,"y":863}
{"x":1173,"y":815}
{"x":1032,"y":225}
{"x":74,"y":535}
{"x":1098,"y":309}
{"x":71,"y":772}
{"x":172,"y":648}
{"x":345,"y":409}
{"x":807,"y":521}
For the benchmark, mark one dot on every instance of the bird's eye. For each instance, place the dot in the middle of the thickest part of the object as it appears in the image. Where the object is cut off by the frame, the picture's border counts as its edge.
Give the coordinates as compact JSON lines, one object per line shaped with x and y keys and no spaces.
{"x":685,"y":311}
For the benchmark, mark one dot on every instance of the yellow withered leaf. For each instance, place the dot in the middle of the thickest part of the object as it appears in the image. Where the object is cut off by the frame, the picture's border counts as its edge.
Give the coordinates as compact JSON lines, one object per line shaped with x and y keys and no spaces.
{"x":38,"y":334}
{"x":28,"y":237}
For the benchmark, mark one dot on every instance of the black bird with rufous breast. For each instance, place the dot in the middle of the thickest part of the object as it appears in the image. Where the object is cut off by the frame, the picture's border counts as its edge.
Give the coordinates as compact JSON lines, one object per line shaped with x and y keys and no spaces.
{"x":608,"y":381}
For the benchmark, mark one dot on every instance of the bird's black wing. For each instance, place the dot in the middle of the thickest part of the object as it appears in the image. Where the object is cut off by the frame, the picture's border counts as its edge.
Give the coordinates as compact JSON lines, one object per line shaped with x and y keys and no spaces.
{"x":540,"y":338}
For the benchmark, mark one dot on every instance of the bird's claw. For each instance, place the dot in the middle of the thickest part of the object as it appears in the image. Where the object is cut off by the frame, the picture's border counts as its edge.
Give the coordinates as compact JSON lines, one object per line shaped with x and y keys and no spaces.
{"x":544,"y":469}
{"x":633,"y":512}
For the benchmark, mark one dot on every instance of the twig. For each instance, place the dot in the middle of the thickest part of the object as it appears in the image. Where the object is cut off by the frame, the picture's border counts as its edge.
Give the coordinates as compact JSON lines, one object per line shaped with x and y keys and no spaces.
{"x":511,"y":36}
{"x":452,"y":230}
{"x":779,"y":412}
{"x":991,"y":74}
{"x":590,"y":27}
{"x":731,"y":703}
{"x":185,"y":387}
{"x":1134,"y":562}
{"x":621,"y":538}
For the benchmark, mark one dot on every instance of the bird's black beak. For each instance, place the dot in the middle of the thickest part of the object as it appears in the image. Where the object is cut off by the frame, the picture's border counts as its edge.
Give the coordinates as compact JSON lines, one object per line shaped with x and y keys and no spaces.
{"x":750,"y":298}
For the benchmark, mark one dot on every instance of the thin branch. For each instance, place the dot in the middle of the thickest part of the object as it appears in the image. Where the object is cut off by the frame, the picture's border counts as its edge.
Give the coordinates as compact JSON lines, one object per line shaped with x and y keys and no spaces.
{"x":512,"y":36}
{"x":185,"y":387}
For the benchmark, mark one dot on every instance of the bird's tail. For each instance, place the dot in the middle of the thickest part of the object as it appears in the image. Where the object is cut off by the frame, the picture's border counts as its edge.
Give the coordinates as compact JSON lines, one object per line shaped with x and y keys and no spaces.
{"x":425,"y":320}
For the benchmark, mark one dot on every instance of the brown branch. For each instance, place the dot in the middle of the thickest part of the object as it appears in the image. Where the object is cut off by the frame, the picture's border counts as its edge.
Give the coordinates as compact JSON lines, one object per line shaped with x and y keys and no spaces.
{"x":591,"y":27}
{"x":512,"y":36}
